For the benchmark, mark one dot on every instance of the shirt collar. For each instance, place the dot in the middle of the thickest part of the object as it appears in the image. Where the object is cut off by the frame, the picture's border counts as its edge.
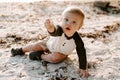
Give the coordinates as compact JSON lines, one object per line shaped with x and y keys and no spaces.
{"x":68,"y":37}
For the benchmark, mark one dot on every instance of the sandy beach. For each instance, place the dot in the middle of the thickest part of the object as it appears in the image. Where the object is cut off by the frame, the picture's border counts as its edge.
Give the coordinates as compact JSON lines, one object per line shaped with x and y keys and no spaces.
{"x":22,"y":23}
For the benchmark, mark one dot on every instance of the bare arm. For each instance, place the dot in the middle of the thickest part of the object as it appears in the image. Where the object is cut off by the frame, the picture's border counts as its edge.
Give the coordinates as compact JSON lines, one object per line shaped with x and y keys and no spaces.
{"x":49,"y":26}
{"x":52,"y":29}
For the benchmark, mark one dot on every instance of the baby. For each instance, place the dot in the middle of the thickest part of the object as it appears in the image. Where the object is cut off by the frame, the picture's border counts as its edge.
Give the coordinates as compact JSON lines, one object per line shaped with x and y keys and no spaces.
{"x":63,"y":40}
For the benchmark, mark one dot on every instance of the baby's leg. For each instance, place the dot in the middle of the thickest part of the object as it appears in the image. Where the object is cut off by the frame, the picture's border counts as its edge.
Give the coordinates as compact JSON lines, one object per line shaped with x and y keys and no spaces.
{"x":53,"y":57}
{"x":39,"y":46}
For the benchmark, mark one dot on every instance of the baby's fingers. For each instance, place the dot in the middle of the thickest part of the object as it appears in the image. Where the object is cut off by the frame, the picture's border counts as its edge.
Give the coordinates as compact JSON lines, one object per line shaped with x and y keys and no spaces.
{"x":47,"y":23}
{"x":85,"y":75}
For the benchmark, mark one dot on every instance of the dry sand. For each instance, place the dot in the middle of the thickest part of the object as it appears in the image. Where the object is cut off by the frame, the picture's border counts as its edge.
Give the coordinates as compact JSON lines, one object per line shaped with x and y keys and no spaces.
{"x":23,"y":23}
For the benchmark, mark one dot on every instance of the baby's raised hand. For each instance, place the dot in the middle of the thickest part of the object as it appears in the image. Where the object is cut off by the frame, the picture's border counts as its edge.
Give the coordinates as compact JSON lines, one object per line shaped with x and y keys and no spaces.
{"x":49,"y":25}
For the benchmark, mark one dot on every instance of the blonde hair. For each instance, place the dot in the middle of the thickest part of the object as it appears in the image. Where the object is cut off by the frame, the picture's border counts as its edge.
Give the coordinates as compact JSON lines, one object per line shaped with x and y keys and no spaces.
{"x":75,"y":10}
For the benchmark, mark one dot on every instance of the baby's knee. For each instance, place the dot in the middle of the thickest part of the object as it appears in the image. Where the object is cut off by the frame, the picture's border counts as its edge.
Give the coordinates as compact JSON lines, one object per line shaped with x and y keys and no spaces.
{"x":53,"y":58}
{"x":56,"y":60}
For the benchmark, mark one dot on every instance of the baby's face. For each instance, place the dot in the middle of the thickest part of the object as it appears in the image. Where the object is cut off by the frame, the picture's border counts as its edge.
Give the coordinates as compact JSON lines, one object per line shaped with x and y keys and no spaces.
{"x":71,"y":23}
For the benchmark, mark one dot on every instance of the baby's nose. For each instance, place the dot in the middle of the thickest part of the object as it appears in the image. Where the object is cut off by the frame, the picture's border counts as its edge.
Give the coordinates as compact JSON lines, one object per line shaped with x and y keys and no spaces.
{"x":68,"y":23}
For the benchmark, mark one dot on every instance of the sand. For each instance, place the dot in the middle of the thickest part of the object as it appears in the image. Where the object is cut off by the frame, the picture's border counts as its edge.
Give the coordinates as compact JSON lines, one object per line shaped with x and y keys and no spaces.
{"x":22,"y":23}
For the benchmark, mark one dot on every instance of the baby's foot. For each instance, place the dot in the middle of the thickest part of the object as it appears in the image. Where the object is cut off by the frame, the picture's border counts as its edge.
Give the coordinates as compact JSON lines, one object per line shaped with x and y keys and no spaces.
{"x":17,"y":51}
{"x":36,"y":55}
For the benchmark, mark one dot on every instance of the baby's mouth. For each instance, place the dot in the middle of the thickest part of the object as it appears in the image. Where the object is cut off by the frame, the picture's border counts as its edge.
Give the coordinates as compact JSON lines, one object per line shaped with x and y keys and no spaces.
{"x":67,"y":28}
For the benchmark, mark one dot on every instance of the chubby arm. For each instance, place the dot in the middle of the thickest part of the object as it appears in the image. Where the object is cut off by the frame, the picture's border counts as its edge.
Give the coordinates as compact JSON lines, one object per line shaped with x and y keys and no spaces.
{"x":52,"y":29}
{"x":49,"y":26}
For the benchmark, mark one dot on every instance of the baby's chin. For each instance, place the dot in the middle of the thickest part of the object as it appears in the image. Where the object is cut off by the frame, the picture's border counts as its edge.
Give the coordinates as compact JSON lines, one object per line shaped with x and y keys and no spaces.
{"x":67,"y":30}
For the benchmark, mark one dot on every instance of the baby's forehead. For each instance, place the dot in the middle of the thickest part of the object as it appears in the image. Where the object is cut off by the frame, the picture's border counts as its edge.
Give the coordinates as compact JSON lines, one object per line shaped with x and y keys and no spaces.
{"x":69,"y":14}
{"x":72,"y":13}
{"x":73,"y":17}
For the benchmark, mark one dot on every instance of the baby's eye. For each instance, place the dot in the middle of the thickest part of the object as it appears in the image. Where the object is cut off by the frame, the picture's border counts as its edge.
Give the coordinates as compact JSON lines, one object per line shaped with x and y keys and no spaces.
{"x":66,"y":19}
{"x":74,"y":22}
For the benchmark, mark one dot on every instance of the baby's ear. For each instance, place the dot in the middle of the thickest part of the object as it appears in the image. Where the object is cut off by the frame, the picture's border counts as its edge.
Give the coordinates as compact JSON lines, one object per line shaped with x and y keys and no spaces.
{"x":81,"y":24}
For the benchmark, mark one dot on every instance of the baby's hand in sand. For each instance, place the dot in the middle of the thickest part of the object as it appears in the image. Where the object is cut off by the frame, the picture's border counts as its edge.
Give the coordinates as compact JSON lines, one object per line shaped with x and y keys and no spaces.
{"x":83,"y":73}
{"x":49,"y":25}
